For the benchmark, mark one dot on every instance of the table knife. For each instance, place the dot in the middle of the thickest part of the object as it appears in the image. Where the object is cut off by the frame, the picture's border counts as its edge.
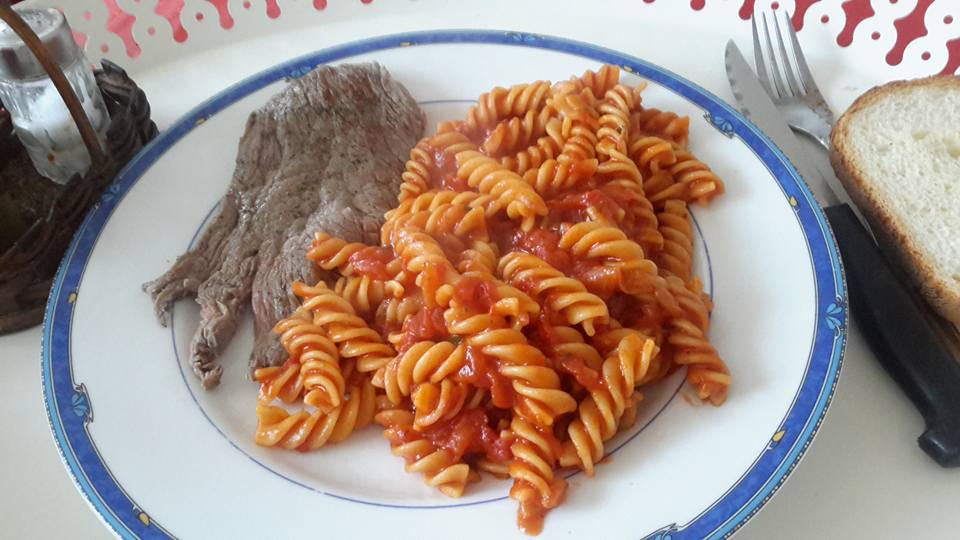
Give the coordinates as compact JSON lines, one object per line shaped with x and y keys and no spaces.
{"x":888,"y":312}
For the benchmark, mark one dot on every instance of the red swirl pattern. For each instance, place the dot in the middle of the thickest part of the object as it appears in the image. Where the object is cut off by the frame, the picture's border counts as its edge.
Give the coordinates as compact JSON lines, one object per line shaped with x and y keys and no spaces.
{"x":907,"y":29}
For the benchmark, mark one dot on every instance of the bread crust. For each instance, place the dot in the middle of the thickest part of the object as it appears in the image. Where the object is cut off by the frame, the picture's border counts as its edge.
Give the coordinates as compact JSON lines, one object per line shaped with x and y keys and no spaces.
{"x":942,"y":292}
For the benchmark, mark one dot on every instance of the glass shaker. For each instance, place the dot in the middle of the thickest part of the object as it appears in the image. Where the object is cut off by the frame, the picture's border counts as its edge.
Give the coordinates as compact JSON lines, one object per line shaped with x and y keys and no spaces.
{"x":40,"y":117}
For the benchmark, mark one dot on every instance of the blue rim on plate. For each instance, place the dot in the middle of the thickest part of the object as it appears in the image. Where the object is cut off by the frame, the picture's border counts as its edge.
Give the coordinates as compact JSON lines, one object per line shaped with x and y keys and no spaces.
{"x":70,"y":410}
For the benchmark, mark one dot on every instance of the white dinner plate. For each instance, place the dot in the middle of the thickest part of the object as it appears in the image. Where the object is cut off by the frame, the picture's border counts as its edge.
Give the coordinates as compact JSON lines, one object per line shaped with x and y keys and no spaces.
{"x":156,"y":456}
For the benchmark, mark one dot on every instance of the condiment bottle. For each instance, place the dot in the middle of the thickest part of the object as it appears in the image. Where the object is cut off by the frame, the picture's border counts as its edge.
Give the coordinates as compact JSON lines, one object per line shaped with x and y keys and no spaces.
{"x":40,"y":117}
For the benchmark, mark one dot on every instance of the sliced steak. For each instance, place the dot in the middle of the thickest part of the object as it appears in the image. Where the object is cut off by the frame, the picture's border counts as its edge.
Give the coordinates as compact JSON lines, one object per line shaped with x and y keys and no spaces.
{"x":326,"y":153}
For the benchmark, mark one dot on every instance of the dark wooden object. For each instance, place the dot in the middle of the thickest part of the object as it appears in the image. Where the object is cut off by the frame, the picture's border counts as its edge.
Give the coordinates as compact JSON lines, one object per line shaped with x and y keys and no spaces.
{"x":38,"y":217}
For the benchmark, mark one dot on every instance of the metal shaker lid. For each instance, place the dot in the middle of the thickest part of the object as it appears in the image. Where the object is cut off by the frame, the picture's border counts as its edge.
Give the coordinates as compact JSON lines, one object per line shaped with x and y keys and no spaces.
{"x":16,"y":60}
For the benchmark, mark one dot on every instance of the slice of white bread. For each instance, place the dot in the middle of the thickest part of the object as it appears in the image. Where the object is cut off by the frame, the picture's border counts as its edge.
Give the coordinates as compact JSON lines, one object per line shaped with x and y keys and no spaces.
{"x":897,"y":151}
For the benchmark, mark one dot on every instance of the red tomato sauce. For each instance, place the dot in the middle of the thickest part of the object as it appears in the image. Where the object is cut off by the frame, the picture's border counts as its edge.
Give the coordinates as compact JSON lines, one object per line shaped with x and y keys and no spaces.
{"x":540,"y":332}
{"x":544,"y":244}
{"x":372,"y":262}
{"x":427,"y":324}
{"x":572,"y":207}
{"x":483,"y":371}
{"x":443,"y":172}
{"x":599,"y":279}
{"x":584,"y":375}
{"x":469,"y":432}
{"x":475,"y":294}
{"x":628,"y":200}
{"x":433,"y":277}
{"x":477,"y":136}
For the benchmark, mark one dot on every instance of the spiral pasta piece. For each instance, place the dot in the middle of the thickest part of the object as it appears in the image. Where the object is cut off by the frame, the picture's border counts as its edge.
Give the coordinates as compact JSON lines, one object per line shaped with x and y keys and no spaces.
{"x":431,"y":200}
{"x":562,"y":294}
{"x":440,"y":467}
{"x":416,"y":176}
{"x":426,"y":260}
{"x":701,"y":183}
{"x":629,"y":417}
{"x":535,"y":486}
{"x":364,"y":293}
{"x":618,"y":167}
{"x":534,"y":155}
{"x":580,"y":125}
{"x":438,"y":402}
{"x":591,"y":240}
{"x":536,"y":386}
{"x":283,"y":382}
{"x":598,"y":82}
{"x":480,"y":258}
{"x":514,"y":134}
{"x":425,"y":361}
{"x":598,"y":416}
{"x":663,"y":124}
{"x":330,"y":252}
{"x":354,"y":339}
{"x":640,"y":220}
{"x":576,"y":109}
{"x":461,"y":321}
{"x":501,"y":103}
{"x":317,"y":358}
{"x":514,"y":305}
{"x":501,"y":305}
{"x":706,"y":371}
{"x":426,"y":166}
{"x":489,"y":177}
{"x":570,"y":344}
{"x":449,"y":221}
{"x":420,"y":251}
{"x":552,"y":177}
{"x":393,"y":312}
{"x":614,"y":121}
{"x":606,"y":344}
{"x":652,"y":154}
{"x":450,"y":143}
{"x":305,"y":431}
{"x":676,"y":258}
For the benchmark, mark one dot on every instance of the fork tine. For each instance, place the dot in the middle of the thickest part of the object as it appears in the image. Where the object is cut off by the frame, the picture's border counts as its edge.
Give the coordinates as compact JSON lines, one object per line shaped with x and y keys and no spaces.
{"x":795,"y":87}
{"x":806,"y":78}
{"x":778,"y":81}
{"x":758,"y":59}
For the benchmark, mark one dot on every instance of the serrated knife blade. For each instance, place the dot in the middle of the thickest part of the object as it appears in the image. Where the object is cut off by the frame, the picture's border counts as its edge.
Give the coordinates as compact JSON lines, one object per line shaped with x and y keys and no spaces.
{"x":917,"y":348}
{"x":757,"y":106}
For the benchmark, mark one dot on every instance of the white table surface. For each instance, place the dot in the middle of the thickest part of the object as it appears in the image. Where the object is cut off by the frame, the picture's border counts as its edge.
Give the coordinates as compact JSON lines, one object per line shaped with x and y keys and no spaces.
{"x":863,"y":477}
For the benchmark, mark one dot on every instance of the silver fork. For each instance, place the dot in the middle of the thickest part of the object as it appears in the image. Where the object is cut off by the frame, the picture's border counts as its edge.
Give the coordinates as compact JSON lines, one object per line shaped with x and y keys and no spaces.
{"x":807,"y":112}
{"x":793,"y":89}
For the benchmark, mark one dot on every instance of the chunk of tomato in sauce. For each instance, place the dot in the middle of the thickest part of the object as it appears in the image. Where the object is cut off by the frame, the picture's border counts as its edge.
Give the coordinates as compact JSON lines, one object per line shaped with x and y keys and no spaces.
{"x":541,"y":334}
{"x":600,"y":279}
{"x":475,"y":294}
{"x":372,"y":262}
{"x":483,"y":371}
{"x":586,"y":376}
{"x":469,"y":432}
{"x":572,"y":207}
{"x":544,"y":244}
{"x":427,"y":324}
{"x":443,"y":172}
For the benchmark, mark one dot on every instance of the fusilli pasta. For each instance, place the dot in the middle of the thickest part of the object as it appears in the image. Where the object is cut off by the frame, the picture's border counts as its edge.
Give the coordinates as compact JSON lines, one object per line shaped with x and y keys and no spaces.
{"x":305,"y":431}
{"x":534,"y":278}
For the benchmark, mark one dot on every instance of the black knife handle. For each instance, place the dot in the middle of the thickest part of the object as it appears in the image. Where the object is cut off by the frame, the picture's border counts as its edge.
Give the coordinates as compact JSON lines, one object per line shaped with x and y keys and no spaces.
{"x":897,"y":331}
